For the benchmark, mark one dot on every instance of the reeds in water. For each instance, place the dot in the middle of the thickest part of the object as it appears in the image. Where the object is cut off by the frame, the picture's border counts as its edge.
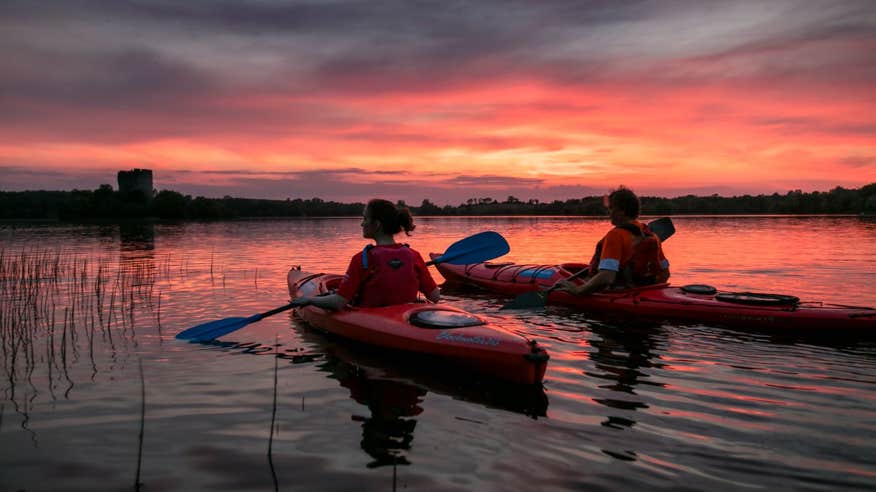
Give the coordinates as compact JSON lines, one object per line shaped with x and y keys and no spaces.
{"x":56,"y":307}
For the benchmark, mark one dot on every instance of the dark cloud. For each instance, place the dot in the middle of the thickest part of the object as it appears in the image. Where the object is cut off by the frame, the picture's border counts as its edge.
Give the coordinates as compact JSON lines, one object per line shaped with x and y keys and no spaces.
{"x":139,"y":50}
{"x":273,"y":73}
{"x":391,"y":135}
{"x":800,"y":125}
{"x":434,"y":19}
{"x":135,"y":79}
{"x":439,"y":41}
{"x":360,"y":192}
{"x":179,"y":58}
{"x":859,"y":161}
{"x":19,"y":178}
{"x":357,"y":185}
{"x":492,"y":181}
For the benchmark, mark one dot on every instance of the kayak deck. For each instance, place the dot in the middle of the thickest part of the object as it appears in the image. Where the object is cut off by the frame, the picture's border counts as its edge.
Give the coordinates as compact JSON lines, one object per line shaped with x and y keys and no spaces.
{"x":439,"y":330}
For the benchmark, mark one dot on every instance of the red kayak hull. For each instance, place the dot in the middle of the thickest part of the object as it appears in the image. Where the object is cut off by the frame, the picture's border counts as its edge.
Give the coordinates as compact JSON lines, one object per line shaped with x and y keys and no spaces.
{"x":485,"y":349}
{"x":660,"y":301}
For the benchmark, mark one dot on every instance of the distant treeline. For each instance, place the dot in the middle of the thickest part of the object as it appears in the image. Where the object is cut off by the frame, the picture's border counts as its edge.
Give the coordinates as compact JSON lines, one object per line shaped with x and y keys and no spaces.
{"x":104,"y":202}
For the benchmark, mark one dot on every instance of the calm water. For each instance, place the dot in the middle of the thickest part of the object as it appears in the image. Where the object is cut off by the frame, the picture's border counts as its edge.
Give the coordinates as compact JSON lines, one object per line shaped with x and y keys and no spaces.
{"x":638,"y":406}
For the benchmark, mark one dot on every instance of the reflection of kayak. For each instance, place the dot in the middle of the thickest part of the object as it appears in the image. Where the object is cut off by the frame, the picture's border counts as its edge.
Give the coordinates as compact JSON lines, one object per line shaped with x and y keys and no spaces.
{"x":394,"y":387}
{"x":438,"y":330}
{"x":357,"y":366}
{"x":698,"y":303}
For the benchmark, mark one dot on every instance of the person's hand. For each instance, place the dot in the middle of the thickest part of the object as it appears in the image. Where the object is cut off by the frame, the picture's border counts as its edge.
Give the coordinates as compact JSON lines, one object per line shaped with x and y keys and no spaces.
{"x":300,"y":302}
{"x":563,"y":285}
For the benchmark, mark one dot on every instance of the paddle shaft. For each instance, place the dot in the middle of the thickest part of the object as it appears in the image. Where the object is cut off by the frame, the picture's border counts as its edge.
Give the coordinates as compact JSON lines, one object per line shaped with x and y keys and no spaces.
{"x":577,"y":274}
{"x":275,"y":311}
{"x":544,"y":293}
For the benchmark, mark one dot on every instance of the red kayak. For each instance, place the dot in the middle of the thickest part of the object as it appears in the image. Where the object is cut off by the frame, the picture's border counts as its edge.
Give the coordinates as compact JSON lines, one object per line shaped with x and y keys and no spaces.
{"x":439,"y":330}
{"x":698,"y":303}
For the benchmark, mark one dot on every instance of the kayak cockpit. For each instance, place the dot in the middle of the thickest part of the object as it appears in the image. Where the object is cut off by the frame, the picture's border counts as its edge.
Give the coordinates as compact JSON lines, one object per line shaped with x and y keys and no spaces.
{"x":443,"y":319}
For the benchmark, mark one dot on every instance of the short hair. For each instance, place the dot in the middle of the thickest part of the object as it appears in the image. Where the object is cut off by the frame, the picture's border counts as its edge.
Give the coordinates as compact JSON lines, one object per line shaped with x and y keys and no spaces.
{"x":624,"y":199}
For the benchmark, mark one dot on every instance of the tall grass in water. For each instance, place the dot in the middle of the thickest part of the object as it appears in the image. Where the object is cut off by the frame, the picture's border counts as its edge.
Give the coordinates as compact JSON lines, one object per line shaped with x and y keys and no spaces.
{"x":60,"y":311}
{"x":69,"y":317}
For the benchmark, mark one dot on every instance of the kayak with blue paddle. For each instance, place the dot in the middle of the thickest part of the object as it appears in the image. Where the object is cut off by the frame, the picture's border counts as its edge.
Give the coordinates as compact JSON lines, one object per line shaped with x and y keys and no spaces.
{"x":482,"y":246}
{"x":457,"y":337}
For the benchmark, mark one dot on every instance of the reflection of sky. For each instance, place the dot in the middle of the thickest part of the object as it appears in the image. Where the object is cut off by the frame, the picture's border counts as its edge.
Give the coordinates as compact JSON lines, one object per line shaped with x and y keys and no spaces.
{"x":712,"y":406}
{"x":537,"y":100}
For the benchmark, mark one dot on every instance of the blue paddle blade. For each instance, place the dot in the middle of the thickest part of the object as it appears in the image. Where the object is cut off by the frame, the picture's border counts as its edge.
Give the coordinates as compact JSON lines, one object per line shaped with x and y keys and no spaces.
{"x":480,"y":247}
{"x":215,"y":329}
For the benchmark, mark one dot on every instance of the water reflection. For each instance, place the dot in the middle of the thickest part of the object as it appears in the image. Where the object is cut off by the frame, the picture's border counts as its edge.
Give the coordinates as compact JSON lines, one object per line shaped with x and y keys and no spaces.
{"x":623,"y":353}
{"x":394,"y":386}
{"x":137,"y":236}
{"x":726,"y":405}
{"x":67,"y":316}
{"x":842,"y":341}
{"x":389,"y":431}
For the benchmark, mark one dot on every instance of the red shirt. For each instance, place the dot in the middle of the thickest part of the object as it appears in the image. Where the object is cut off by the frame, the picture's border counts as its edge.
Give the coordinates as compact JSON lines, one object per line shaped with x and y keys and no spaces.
{"x":393,"y":275}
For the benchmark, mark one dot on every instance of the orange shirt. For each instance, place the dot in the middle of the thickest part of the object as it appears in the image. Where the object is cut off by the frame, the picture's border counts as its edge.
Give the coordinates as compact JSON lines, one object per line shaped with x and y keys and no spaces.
{"x":617,"y":249}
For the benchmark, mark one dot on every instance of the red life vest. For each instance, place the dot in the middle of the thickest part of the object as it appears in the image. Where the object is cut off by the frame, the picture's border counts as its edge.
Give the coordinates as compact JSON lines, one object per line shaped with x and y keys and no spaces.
{"x":643,"y":267}
{"x":390,"y":277}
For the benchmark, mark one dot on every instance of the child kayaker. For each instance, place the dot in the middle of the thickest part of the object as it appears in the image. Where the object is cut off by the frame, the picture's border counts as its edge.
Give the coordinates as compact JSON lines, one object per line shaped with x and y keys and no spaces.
{"x":628,"y":255}
{"x":386,"y":272}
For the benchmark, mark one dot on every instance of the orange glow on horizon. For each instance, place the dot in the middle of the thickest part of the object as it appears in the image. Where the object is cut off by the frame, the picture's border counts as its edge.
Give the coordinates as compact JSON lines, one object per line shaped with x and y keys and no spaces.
{"x":681,"y":137}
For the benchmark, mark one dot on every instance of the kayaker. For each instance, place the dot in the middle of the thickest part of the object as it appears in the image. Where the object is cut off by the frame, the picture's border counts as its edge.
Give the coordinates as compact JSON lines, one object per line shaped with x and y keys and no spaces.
{"x":628,"y":255}
{"x":386,"y":272}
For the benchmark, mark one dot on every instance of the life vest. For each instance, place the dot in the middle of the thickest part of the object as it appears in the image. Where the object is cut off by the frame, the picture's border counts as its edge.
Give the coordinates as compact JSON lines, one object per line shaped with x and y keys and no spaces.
{"x":390,"y":277}
{"x":643,"y":267}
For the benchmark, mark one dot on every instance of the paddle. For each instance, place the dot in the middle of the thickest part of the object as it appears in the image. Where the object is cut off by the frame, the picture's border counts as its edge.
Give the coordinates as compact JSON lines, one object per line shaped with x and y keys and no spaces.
{"x":473,"y":249}
{"x":482,"y":246}
{"x":663,"y":228}
{"x":536,"y":298}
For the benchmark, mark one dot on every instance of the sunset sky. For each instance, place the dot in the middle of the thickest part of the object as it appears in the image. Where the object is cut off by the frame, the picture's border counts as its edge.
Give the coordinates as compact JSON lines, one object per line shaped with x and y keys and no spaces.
{"x":440,"y":100}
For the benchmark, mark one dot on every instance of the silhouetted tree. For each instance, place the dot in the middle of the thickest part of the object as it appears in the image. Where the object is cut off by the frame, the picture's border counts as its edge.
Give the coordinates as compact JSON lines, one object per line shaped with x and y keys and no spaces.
{"x":170,"y":204}
{"x":428,"y":208}
{"x":106,"y":203}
